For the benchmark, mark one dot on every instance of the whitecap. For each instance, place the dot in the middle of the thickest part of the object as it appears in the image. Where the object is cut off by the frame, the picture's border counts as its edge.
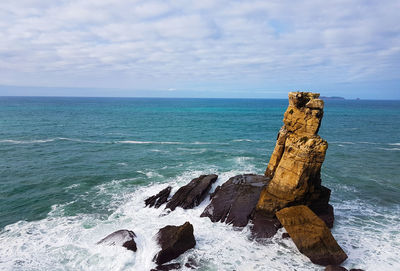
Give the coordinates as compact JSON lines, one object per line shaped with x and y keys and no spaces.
{"x":27,"y":141}
{"x":68,"y":242}
{"x":390,"y":149}
{"x":150,"y":174}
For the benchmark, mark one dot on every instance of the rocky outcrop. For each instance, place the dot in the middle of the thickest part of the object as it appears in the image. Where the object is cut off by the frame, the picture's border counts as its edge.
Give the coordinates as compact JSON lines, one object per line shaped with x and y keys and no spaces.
{"x":192,"y":194}
{"x":174,"y":240}
{"x":159,"y":199}
{"x":311,"y":235}
{"x":123,"y":238}
{"x":235,"y":200}
{"x":295,"y":164}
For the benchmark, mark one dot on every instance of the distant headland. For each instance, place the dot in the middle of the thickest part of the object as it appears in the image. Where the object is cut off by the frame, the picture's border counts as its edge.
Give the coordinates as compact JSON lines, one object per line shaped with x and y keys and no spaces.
{"x":332,"y":98}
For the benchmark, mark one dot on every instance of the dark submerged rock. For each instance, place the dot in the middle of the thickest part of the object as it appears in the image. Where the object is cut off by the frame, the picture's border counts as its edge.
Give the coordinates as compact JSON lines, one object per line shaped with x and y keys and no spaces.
{"x":335,"y":268}
{"x":167,"y":267}
{"x":193,"y":193}
{"x":159,"y":199}
{"x":235,"y":200}
{"x":174,"y":240}
{"x":264,"y":226}
{"x":318,"y":202}
{"x":125,"y":238}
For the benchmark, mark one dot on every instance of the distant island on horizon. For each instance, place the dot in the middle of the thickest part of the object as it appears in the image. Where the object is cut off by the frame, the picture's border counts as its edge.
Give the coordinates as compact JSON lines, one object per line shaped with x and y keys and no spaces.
{"x":332,"y":98}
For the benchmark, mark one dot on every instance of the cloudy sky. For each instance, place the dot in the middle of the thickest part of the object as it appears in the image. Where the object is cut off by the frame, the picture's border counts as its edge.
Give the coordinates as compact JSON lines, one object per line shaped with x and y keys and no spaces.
{"x":200,"y":48}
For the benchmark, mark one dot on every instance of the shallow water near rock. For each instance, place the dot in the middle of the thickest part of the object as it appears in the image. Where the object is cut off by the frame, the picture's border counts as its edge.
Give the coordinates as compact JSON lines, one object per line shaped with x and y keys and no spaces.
{"x":73,"y":170}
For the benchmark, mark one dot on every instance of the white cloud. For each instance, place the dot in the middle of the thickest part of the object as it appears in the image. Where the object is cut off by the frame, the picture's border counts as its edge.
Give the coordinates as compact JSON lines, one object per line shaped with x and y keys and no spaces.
{"x":152,"y":44}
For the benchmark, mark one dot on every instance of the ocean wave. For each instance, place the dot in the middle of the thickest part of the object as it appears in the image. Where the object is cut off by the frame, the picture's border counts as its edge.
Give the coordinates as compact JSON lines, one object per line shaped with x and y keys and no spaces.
{"x":69,"y":242}
{"x":34,"y":141}
{"x":394,"y":144}
{"x":150,"y":174}
{"x":242,"y":140}
{"x":193,"y":151}
{"x":390,"y":149}
{"x":27,"y":141}
{"x":342,"y":142}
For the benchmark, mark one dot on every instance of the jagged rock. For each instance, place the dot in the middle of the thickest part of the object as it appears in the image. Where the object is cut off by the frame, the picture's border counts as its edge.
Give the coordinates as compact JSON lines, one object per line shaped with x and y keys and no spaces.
{"x":174,"y":240}
{"x":123,"y":238}
{"x":235,"y":200}
{"x":159,"y":199}
{"x":311,"y":235}
{"x":285,"y":235}
{"x":192,"y":194}
{"x":335,"y":268}
{"x":296,"y":162}
{"x":167,"y":267}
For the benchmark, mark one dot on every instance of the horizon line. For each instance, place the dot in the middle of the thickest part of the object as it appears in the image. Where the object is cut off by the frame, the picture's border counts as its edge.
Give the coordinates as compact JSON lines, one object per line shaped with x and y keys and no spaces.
{"x":215,"y":98}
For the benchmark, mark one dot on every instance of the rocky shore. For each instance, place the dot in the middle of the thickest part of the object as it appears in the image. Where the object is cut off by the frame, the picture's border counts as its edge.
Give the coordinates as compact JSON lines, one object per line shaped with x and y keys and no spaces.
{"x":290,"y":194}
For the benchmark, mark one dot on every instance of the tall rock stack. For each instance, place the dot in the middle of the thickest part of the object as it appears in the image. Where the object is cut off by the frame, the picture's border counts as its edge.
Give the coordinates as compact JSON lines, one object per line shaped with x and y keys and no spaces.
{"x":295,"y":164}
{"x":294,"y":196}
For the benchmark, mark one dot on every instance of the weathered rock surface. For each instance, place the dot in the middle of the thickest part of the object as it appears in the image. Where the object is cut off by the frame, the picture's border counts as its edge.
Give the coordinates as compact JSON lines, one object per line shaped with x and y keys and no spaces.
{"x":311,"y":235}
{"x":123,"y":238}
{"x":159,"y":199}
{"x":335,"y":268}
{"x":174,"y":240}
{"x":296,"y":162}
{"x":234,"y":201}
{"x":192,"y":194}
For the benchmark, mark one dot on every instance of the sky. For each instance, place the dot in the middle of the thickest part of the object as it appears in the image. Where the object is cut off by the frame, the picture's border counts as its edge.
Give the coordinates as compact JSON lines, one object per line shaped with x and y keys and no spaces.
{"x":203,"y":48}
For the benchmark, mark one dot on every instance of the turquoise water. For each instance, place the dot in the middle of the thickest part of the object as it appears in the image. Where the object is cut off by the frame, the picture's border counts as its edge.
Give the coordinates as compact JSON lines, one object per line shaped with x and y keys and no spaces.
{"x":74,"y":169}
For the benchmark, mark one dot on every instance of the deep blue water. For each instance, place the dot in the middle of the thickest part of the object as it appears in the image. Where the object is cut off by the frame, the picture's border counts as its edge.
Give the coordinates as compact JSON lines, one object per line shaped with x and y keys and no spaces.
{"x":68,"y":158}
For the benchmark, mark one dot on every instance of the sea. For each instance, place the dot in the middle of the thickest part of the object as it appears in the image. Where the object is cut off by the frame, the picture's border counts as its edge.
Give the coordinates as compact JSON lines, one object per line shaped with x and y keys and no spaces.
{"x":73,"y":170}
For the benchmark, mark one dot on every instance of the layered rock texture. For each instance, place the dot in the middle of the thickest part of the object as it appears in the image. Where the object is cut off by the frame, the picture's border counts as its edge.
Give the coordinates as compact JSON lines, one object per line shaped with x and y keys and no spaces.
{"x":295,"y":164}
{"x":158,"y":199}
{"x":235,"y":200}
{"x":295,"y":197}
{"x":174,"y":240}
{"x":311,"y":235}
{"x":192,"y":194}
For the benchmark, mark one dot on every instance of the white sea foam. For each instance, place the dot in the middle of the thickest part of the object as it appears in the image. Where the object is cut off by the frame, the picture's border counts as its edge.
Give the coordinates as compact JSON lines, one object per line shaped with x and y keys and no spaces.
{"x":193,"y":151}
{"x":394,"y":144}
{"x":390,"y":149}
{"x":148,"y":142}
{"x":69,"y":242}
{"x":243,"y":140}
{"x":35,"y":141}
{"x":342,"y":142}
{"x":27,"y":141}
{"x":150,"y":174}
